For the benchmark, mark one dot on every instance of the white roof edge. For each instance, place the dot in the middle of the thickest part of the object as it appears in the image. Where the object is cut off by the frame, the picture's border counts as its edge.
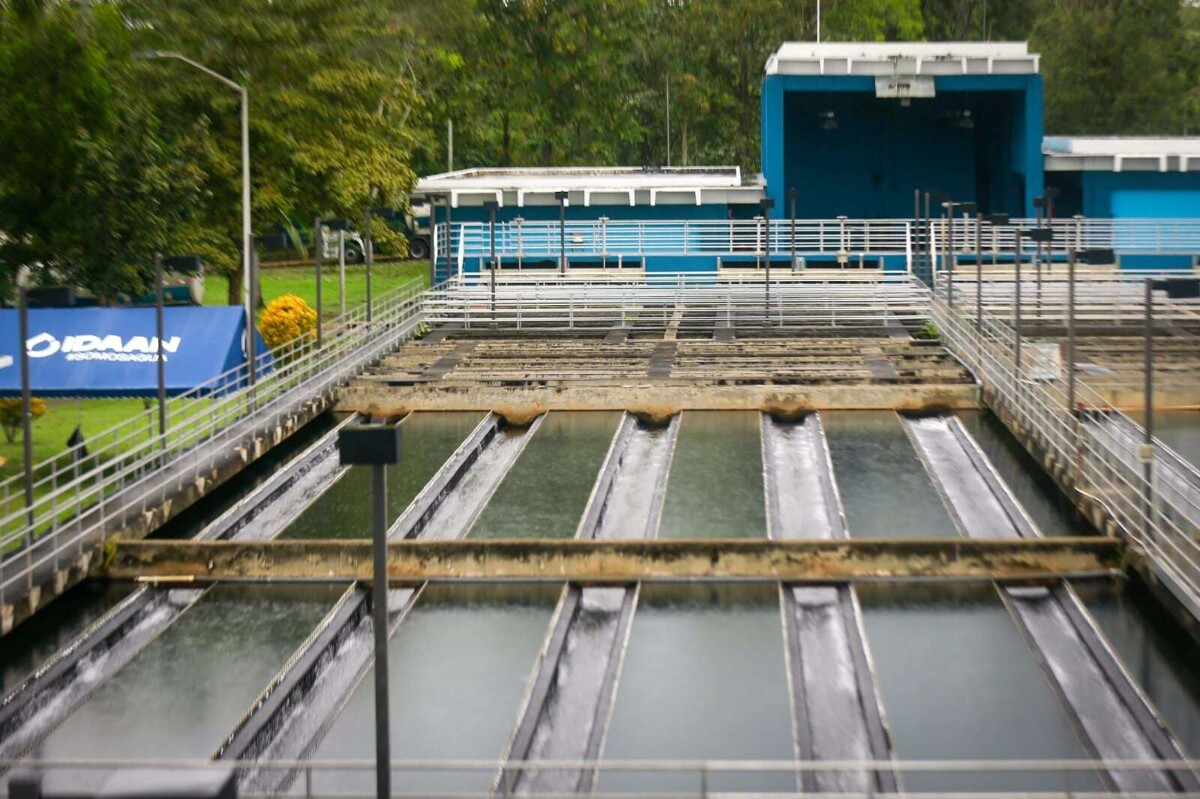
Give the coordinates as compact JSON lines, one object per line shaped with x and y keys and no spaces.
{"x":1126,"y":146}
{"x":597,"y":179}
{"x":920,"y":58}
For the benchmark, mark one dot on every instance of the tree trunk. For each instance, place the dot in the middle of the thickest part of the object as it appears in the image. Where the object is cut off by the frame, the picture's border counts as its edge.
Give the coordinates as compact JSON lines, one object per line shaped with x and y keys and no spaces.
{"x":235,"y":287}
{"x":683,"y":144}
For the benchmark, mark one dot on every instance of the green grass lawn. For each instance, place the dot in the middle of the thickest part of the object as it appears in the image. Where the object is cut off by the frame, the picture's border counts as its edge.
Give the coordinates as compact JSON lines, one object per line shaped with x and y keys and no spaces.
{"x":302,"y":281}
{"x":50,"y":433}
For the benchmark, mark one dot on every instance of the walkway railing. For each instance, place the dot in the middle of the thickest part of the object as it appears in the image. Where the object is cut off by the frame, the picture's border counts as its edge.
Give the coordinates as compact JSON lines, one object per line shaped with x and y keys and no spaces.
{"x":80,"y":498}
{"x":1151,"y":493}
{"x":624,"y":241}
{"x":685,"y":301}
{"x":666,"y":778}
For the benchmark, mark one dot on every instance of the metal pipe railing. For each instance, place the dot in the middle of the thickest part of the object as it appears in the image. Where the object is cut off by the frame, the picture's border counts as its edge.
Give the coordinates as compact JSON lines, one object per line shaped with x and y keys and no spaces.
{"x":80,"y":503}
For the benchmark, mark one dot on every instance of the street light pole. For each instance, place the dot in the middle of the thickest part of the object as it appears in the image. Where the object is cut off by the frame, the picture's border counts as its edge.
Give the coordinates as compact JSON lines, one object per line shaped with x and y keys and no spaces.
{"x":247,"y":244}
{"x":161,"y":359}
{"x":766,"y":204}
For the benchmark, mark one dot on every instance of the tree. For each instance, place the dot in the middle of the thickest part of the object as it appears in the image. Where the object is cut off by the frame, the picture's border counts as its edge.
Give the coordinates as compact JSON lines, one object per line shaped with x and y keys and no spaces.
{"x":1117,"y":66}
{"x":87,"y":192}
{"x":330,"y":100}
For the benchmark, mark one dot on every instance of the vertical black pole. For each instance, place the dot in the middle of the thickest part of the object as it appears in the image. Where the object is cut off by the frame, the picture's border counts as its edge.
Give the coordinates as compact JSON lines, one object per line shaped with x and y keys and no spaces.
{"x":792,"y":193}
{"x":929,"y":244}
{"x":162,"y":365}
{"x":368,"y":256}
{"x":432,"y":242}
{"x":26,"y":401}
{"x":449,"y":238}
{"x":251,"y":328}
{"x":492,"y":256}
{"x":1077,"y":454}
{"x":562,"y":236}
{"x":1071,"y":330}
{"x":1017,"y":308}
{"x":767,"y":266}
{"x":979,"y":273}
{"x":379,"y":591}
{"x":319,"y":249}
{"x":1148,"y":453}
{"x":950,"y":257}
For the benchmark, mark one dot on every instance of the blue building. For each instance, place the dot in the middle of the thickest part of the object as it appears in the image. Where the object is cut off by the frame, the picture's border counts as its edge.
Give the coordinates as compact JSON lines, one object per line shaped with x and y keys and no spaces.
{"x":854,"y":136}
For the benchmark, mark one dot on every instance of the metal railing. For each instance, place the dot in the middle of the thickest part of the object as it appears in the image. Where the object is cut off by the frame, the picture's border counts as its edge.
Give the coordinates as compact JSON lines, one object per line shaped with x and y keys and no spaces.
{"x":132,"y":468}
{"x":686,"y":301}
{"x":614,"y":240}
{"x":1151,"y":494}
{"x":1054,"y":779}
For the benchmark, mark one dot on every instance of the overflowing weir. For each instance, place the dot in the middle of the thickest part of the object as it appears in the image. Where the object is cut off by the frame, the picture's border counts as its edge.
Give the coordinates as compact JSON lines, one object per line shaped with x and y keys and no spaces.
{"x":1115,"y":718}
{"x":567,"y":710}
{"x":836,"y":710}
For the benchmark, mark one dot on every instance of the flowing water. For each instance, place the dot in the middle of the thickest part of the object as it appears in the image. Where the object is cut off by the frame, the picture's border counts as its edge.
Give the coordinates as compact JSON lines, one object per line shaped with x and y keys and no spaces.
{"x":1029,"y":483}
{"x":716,"y":484}
{"x":704,"y":677}
{"x":1161,"y":658}
{"x":958,"y":683}
{"x":189,"y":687}
{"x":884,"y":486}
{"x":344,"y":511}
{"x":545,"y":492}
{"x":458,"y":668}
{"x":31,"y":644}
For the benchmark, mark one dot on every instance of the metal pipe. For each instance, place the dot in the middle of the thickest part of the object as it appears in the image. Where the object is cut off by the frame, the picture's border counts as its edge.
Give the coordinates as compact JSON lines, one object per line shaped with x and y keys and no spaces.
{"x":251,"y":327}
{"x":342,"y":272}
{"x":1017,"y":308}
{"x":160,"y":361}
{"x":26,"y":401}
{"x":368,"y":256}
{"x":383,"y":757}
{"x":1071,"y":331}
{"x":319,"y":249}
{"x":979,"y":272}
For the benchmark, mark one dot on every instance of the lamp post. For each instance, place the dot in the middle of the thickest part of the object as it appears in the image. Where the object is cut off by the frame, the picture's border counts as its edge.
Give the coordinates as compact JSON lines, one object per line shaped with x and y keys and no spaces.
{"x":1039,"y":235}
{"x":561,"y":196}
{"x":951,"y":208}
{"x":995,"y":221}
{"x":767,"y":204}
{"x":492,"y":206}
{"x":368,"y":256}
{"x":247,"y":244}
{"x":26,"y":404}
{"x":377,"y":446}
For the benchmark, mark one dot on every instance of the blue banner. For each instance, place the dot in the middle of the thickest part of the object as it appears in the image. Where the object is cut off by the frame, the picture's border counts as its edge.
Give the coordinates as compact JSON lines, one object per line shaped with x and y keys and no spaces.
{"x":113,"y":352}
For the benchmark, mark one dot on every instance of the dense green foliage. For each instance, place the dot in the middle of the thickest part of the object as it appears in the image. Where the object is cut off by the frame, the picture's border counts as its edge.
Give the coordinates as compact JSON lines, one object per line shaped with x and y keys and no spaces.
{"x":108,"y":158}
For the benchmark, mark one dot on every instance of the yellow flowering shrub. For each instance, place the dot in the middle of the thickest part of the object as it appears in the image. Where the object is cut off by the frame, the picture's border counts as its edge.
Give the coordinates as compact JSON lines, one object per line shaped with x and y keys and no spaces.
{"x":10,"y":415}
{"x":286,"y":319}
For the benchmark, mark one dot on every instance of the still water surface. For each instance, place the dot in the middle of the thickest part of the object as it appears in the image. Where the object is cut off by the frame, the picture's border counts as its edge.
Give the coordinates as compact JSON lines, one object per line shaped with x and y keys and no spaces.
{"x":344,"y":511}
{"x":190,"y":686}
{"x":545,"y":492}
{"x":958,"y":683}
{"x":716,"y":484}
{"x":883,"y":484}
{"x":458,"y":668}
{"x":704,"y":677}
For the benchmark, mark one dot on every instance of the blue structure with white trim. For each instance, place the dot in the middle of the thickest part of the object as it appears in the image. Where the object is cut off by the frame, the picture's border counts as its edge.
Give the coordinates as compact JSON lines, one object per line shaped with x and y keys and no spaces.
{"x":861,"y":132}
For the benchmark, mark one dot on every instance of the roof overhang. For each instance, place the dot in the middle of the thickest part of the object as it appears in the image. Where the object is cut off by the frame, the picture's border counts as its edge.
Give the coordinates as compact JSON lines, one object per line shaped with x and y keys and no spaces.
{"x":1121,"y":154}
{"x":903,"y":58}
{"x":587,"y":186}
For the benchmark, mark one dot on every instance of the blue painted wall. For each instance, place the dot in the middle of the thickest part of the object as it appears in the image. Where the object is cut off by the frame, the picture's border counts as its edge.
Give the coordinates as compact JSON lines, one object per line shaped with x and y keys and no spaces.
{"x":1141,"y":195}
{"x":881,"y":151}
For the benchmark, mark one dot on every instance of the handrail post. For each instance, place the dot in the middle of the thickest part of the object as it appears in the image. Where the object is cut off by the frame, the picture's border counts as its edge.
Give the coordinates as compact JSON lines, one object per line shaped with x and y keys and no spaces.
{"x":1076,"y":461}
{"x":1017,"y":309}
{"x":979,"y":272}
